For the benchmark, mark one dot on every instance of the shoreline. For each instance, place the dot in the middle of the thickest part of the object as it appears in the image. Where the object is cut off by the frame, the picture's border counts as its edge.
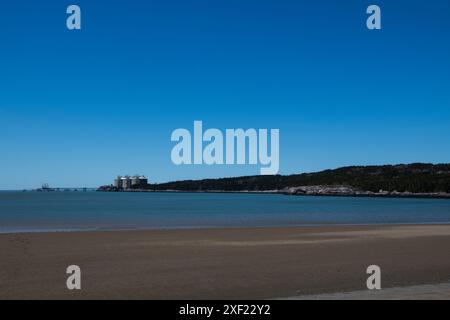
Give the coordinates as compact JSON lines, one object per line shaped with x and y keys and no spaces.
{"x":306,"y":226}
{"x":438,"y":291}
{"x":222,"y":263}
{"x":362,"y":194}
{"x":358,"y":194}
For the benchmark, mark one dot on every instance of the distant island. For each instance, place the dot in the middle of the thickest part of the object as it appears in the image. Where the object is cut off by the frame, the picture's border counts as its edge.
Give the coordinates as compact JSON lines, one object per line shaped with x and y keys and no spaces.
{"x":402,"y":180}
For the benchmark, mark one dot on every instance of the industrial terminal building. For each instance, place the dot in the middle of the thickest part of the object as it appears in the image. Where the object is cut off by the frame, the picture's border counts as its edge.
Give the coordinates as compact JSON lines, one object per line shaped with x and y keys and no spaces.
{"x":127,"y":182}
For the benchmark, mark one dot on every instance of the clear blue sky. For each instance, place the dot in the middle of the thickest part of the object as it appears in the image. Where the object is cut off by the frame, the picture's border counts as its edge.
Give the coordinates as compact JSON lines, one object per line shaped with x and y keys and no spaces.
{"x":79,"y":107}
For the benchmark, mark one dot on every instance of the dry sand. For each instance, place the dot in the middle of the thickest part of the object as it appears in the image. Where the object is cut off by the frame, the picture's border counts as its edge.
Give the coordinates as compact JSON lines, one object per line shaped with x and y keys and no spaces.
{"x":232,"y":263}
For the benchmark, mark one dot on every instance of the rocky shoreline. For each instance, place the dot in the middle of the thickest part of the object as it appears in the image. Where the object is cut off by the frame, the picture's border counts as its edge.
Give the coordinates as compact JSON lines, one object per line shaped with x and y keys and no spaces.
{"x":335,"y":191}
{"x":351,"y":192}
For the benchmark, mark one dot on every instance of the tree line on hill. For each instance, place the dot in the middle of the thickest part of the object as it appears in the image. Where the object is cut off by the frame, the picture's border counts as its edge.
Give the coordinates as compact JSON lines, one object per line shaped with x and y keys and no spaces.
{"x":415,"y":178}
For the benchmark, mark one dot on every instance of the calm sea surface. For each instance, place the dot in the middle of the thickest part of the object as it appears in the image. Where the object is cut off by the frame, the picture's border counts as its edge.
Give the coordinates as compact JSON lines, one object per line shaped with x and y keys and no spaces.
{"x":66,"y":211}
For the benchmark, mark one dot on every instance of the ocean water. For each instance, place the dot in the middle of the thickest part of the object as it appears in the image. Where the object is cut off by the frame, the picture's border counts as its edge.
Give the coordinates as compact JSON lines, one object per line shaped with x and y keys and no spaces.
{"x":69,"y":211}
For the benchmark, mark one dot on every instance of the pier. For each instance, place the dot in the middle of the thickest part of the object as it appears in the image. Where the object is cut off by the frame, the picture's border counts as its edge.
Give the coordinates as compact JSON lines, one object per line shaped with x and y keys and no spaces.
{"x":76,"y":189}
{"x":46,"y":188}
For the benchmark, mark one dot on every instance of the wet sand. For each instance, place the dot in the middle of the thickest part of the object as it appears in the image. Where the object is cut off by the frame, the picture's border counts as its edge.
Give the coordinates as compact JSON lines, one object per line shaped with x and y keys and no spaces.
{"x":439,"y":291}
{"x":232,"y":263}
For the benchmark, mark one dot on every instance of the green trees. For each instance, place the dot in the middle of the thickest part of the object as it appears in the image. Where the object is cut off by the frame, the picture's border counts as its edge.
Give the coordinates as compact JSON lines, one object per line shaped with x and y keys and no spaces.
{"x":417,"y":178}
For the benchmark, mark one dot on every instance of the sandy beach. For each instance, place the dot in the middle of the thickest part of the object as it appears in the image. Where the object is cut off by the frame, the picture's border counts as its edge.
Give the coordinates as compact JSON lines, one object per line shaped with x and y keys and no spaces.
{"x":229,"y":263}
